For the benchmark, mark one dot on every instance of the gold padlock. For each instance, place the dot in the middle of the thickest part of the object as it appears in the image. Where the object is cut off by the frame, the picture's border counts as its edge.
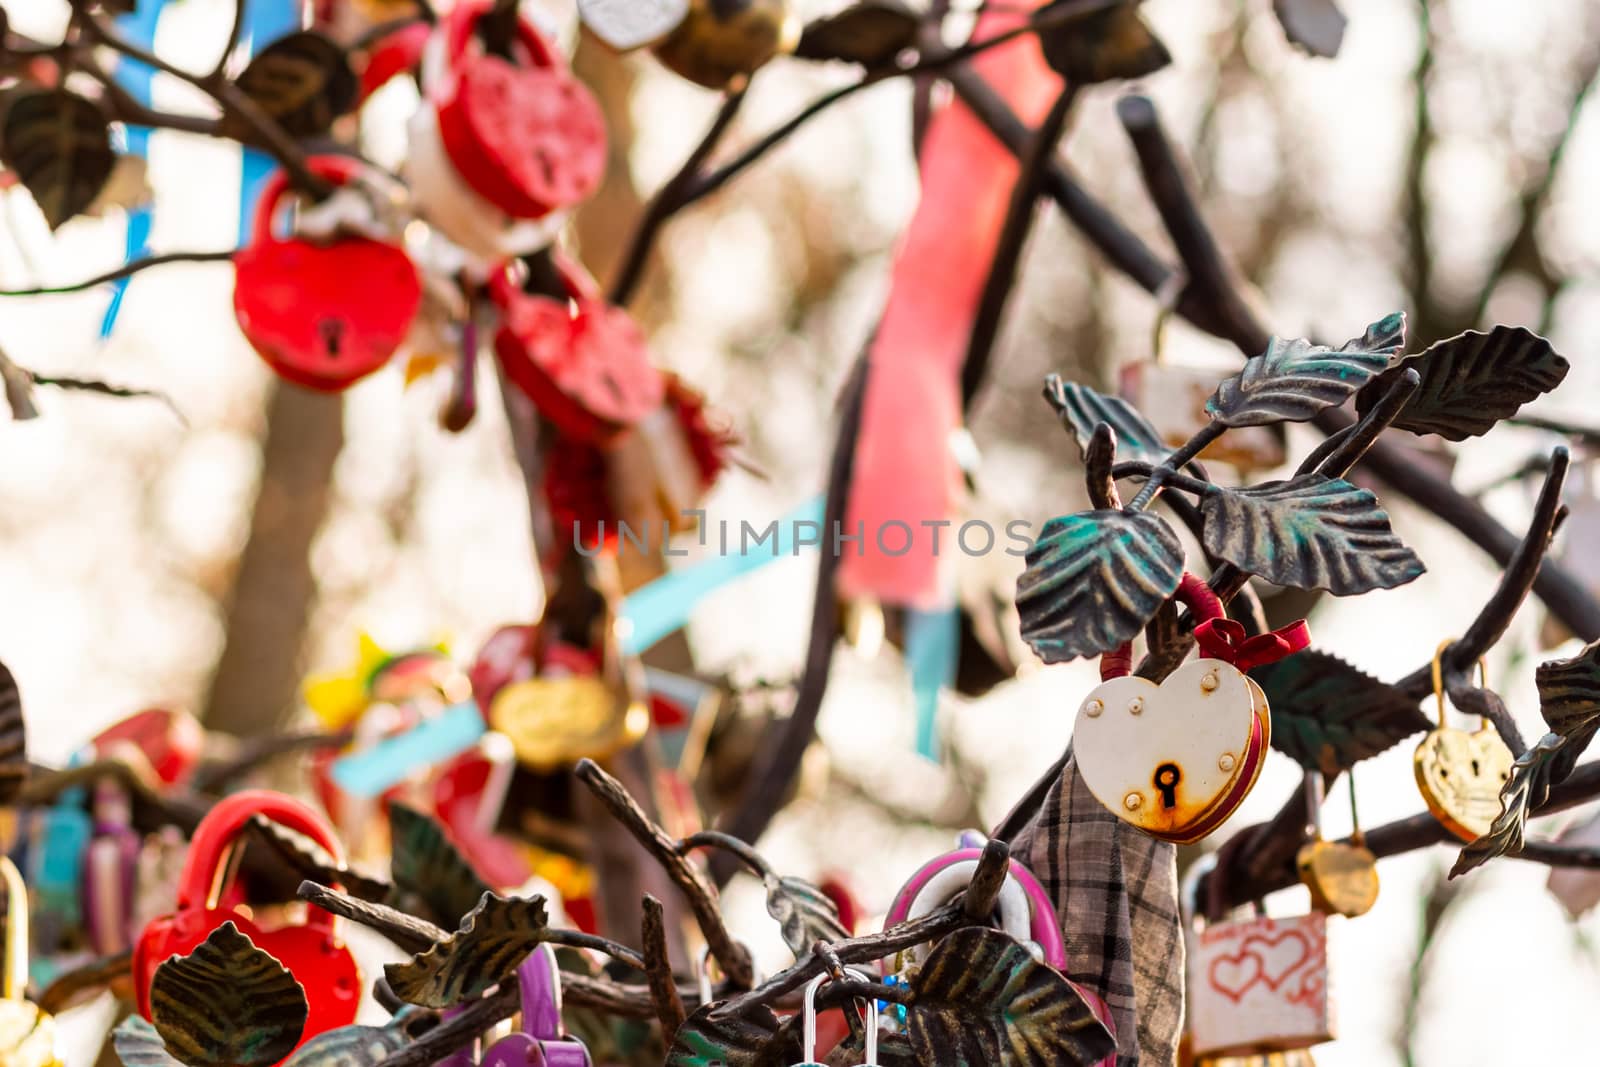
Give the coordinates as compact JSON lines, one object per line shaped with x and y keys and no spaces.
{"x":720,"y":43}
{"x":27,"y":1035}
{"x":1341,"y":875}
{"x":554,"y":721}
{"x":1460,"y":774}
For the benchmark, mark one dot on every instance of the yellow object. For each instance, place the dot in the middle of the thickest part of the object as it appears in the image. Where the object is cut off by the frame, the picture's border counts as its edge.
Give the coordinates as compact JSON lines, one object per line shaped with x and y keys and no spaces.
{"x":1460,"y":774}
{"x":27,"y":1035}
{"x":553,"y":722}
{"x":720,"y":44}
{"x":338,"y":699}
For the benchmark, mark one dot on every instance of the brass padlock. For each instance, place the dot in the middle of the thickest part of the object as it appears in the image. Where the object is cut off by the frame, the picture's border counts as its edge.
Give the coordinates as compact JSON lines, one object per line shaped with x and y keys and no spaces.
{"x":720,"y":43}
{"x":1341,"y":875}
{"x":1460,"y":774}
{"x":27,"y":1035}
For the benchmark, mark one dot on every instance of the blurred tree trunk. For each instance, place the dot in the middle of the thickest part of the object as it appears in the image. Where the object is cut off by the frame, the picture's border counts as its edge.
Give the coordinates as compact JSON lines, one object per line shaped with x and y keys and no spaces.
{"x":256,"y":685}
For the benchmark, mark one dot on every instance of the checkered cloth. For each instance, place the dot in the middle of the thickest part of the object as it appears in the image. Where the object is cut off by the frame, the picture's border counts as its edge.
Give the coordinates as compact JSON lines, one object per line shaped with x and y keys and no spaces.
{"x":1116,"y":896}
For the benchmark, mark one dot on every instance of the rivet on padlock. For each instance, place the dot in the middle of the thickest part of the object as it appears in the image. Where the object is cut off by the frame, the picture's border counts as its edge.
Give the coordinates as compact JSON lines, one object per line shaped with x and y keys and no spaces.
{"x":1460,"y":774}
{"x":1341,"y":876}
{"x":27,"y":1035}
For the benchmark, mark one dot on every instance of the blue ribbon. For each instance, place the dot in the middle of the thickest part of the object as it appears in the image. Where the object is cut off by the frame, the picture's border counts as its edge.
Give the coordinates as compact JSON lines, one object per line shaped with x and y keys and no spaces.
{"x":933,"y":641}
{"x":371,"y":771}
{"x":264,"y":22}
{"x":664,"y":605}
{"x":139,"y":27}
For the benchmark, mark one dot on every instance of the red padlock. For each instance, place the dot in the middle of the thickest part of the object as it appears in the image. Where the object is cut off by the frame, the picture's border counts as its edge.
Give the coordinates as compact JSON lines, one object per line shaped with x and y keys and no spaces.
{"x":322,"y":314}
{"x":525,"y":135}
{"x":583,"y":362}
{"x":171,"y":741}
{"x":312,"y":952}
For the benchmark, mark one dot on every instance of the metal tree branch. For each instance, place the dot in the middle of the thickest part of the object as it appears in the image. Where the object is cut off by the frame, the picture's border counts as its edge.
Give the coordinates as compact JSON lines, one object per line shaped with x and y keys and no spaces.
{"x":127,"y":270}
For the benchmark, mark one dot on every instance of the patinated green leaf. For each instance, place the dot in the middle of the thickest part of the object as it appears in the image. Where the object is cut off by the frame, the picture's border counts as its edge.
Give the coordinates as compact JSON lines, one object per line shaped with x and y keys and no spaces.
{"x":351,"y":1046}
{"x":805,"y":913}
{"x":1082,"y":409}
{"x":431,"y":878}
{"x":1094,"y":579}
{"x":1293,"y":380}
{"x":1329,"y":716}
{"x":982,"y":1000}
{"x":138,"y":1045}
{"x":490,"y":945}
{"x":13,"y":738}
{"x":227,"y":1004}
{"x":1311,"y":532}
{"x":302,"y":80}
{"x":59,"y":145}
{"x":750,"y":1039}
{"x":1472,"y":381}
{"x":1113,"y":44}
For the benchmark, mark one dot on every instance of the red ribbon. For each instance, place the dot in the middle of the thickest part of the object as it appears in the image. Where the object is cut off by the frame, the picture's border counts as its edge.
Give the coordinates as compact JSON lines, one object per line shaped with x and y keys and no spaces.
{"x":1225,"y":639}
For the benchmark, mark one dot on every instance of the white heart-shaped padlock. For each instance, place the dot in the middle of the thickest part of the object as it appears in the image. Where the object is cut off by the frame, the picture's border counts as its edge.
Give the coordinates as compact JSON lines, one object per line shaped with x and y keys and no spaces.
{"x":1173,"y":759}
{"x":1176,"y":759}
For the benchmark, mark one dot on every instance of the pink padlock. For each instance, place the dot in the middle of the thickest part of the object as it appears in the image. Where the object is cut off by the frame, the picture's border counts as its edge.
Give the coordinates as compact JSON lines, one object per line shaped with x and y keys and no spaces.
{"x":543,"y":1041}
{"x":1025,"y":913}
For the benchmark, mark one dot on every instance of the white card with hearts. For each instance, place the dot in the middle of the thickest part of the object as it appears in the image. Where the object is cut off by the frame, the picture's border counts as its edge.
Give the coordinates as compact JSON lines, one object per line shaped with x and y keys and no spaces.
{"x":1262,"y":984}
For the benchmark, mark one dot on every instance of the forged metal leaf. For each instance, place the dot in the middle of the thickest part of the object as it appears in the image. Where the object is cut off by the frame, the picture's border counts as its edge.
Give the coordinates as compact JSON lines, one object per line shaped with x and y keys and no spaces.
{"x":871,"y":33}
{"x":1082,"y":409}
{"x":894,"y":1050}
{"x":490,"y":945}
{"x":427,"y":869}
{"x":753,"y":1039}
{"x":303,"y":80}
{"x":1317,"y":26}
{"x":1094,"y":579}
{"x":59,"y":144}
{"x":227,"y":1004}
{"x":1328,"y":716}
{"x":1472,"y":381}
{"x":805,"y":913}
{"x":1293,"y":380}
{"x":351,"y":1046}
{"x":1569,"y":700}
{"x":1311,"y":532}
{"x":301,"y":855}
{"x":138,"y":1044}
{"x":982,"y":1000}
{"x":1505,"y":833}
{"x":13,"y":738}
{"x":1117,"y":43}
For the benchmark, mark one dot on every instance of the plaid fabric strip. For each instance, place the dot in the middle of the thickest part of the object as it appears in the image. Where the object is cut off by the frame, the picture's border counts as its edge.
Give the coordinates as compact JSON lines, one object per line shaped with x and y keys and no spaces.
{"x":1116,"y":895}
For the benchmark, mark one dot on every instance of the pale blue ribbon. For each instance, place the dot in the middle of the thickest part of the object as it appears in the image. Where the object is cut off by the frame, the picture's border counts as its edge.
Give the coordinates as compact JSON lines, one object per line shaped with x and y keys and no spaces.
{"x":136,"y":78}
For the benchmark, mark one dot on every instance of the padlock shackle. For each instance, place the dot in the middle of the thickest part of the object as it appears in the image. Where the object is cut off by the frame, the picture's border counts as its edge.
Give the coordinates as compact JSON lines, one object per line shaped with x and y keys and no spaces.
{"x":462,"y":22}
{"x":340,"y":170}
{"x":223,"y":824}
{"x":16,"y":951}
{"x":1020,"y":888}
{"x":1192,"y":592}
{"x":1438,"y":678}
{"x":579,"y":283}
{"x":539,"y":979}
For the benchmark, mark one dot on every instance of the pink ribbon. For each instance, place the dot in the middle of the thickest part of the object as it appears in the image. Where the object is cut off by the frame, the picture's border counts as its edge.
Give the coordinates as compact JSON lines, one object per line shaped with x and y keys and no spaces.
{"x":1225,"y":639}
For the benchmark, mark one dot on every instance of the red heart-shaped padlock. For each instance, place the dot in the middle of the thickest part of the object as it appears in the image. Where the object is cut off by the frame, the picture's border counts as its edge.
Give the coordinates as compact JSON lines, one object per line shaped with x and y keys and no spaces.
{"x":312,"y":952}
{"x":322,"y":314}
{"x":525,"y":135}
{"x":582,"y":361}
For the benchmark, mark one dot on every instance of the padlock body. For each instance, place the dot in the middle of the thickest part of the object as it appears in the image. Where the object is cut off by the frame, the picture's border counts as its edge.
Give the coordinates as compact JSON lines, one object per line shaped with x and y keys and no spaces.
{"x":1262,"y":985}
{"x":318,"y":961}
{"x":325,"y":315}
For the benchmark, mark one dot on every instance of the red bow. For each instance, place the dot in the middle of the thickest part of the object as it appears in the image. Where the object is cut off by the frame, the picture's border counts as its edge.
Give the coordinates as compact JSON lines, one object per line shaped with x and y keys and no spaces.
{"x":1225,"y":639}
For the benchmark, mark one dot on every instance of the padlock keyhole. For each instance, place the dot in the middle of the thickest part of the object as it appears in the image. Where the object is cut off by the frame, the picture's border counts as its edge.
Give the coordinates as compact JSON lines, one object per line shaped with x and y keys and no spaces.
{"x":1475,"y":771}
{"x":1166,"y":782}
{"x":332,"y":331}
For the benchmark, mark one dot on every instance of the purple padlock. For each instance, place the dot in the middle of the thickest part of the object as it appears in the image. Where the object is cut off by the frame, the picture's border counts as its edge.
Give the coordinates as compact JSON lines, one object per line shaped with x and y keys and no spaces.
{"x":110,"y":871}
{"x":543,"y":1041}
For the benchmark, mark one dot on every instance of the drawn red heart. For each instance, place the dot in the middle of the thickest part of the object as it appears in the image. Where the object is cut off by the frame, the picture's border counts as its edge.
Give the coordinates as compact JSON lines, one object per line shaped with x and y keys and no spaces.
{"x":1234,"y":976}
{"x":1280,"y":956}
{"x":322,"y":315}
{"x":588,"y":370}
{"x":527,"y":137}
